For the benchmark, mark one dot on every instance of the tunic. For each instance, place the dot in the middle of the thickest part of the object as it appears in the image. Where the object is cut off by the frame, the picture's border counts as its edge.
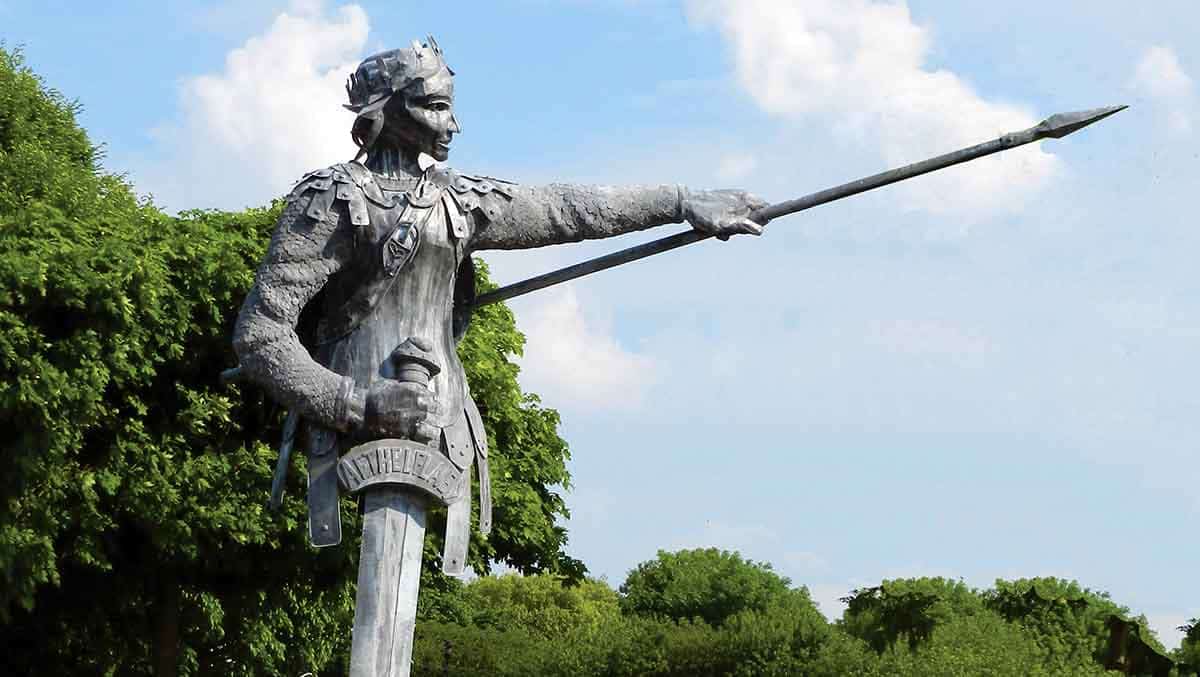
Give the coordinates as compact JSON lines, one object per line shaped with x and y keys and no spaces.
{"x":377,"y":260}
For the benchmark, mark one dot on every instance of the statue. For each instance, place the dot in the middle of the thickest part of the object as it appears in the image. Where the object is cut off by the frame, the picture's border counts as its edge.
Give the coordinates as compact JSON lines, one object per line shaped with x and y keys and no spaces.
{"x":379,"y":249}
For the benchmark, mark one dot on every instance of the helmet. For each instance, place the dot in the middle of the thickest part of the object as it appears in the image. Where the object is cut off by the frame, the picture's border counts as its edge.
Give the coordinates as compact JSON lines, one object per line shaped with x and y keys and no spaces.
{"x":382,"y":75}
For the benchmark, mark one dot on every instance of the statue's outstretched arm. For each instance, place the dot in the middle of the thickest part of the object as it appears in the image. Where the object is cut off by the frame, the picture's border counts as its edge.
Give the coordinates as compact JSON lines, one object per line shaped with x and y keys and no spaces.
{"x":303,"y":254}
{"x":520,"y":217}
{"x":536,"y":216}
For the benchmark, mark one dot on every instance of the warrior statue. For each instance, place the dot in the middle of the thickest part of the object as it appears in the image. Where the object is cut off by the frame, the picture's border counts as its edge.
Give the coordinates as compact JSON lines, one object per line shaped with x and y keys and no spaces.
{"x":379,"y":252}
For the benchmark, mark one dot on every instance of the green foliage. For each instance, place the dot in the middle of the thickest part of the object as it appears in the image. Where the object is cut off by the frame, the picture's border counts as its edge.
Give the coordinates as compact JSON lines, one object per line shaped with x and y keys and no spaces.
{"x":709,"y":584}
{"x":950,"y":628}
{"x":1189,"y":651}
{"x":906,"y":627}
{"x":910,"y":608}
{"x":978,"y":644}
{"x":45,"y":157}
{"x":1068,"y":621}
{"x":538,"y":626}
{"x":542,"y":605}
{"x":133,"y":529}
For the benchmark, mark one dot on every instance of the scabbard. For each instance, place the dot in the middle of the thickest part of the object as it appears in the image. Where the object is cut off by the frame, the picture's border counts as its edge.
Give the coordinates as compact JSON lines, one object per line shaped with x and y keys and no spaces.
{"x":479,"y":436}
{"x":324,"y":512}
{"x":288,"y":440}
{"x":458,"y":531}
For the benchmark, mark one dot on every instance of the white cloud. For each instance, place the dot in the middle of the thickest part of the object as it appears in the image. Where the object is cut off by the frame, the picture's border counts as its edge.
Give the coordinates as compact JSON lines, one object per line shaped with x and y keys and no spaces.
{"x":1160,"y":76}
{"x":274,"y":112}
{"x":861,"y":66}
{"x":573,"y":361}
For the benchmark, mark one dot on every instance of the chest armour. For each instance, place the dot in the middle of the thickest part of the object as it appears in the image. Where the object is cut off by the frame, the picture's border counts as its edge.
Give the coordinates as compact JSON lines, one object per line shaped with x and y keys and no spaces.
{"x":409,"y":250}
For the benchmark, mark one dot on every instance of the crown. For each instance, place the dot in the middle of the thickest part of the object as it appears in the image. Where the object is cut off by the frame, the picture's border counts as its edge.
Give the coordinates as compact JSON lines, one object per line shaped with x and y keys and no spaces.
{"x":381,"y":75}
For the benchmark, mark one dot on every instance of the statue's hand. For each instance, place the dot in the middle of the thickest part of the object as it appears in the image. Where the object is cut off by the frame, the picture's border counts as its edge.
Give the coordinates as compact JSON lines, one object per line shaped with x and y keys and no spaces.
{"x":399,"y":409}
{"x":722,"y":212}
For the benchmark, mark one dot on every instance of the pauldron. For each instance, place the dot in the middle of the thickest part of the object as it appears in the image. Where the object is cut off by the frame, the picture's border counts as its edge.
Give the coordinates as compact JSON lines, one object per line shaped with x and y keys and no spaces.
{"x":463,"y":195}
{"x":486,"y":196}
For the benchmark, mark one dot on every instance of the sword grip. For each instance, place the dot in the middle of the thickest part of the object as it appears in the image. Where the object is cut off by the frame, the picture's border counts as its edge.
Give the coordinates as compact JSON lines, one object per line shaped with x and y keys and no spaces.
{"x":412,"y":362}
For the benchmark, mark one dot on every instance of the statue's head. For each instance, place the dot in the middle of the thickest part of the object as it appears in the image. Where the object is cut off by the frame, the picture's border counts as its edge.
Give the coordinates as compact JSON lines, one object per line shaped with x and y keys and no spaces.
{"x":404,"y":98}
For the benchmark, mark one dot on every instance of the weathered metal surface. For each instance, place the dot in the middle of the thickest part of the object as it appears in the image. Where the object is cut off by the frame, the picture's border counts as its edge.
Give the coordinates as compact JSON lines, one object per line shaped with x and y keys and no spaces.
{"x":384,"y":306}
{"x":324,"y":510}
{"x":290,"y":426}
{"x":458,"y":531}
{"x":389,"y":577}
{"x":402,"y":463}
{"x":389,"y":571}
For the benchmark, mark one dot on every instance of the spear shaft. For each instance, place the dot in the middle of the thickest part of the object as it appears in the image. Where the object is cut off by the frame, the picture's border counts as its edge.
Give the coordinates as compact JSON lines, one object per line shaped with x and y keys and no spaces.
{"x":1054,"y":127}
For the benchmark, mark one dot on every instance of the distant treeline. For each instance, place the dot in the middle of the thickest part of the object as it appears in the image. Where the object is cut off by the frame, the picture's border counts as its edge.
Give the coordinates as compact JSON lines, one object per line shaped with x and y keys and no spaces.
{"x":134,"y":538}
{"x":709,"y":612}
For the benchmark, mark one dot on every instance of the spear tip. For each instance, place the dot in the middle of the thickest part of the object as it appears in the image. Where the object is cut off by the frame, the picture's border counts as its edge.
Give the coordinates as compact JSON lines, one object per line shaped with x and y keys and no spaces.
{"x":1061,"y":124}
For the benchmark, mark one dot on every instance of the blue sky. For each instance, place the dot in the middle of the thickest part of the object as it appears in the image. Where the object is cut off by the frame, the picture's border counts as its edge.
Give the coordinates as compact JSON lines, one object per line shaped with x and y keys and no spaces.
{"x":989,"y":373}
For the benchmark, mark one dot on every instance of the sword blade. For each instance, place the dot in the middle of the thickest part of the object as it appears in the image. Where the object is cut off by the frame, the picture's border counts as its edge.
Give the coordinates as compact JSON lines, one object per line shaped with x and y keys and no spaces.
{"x":389,"y":578}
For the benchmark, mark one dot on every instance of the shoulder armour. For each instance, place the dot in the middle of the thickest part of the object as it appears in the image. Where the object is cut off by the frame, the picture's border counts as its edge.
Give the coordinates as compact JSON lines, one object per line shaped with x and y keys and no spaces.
{"x":318,"y":180}
{"x":349,"y":182}
{"x":483,"y":194}
{"x":362,"y":177}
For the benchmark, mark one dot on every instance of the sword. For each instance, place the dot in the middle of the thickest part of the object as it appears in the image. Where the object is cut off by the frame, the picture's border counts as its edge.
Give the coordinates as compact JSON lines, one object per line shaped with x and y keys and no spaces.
{"x":1053,"y":127}
{"x":389,"y":565}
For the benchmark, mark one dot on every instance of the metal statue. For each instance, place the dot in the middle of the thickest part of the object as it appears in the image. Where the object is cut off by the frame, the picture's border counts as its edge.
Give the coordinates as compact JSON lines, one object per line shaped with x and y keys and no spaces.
{"x":380,"y":249}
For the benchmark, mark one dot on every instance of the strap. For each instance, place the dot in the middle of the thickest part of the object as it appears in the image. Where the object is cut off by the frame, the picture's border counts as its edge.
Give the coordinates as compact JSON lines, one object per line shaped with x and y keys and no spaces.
{"x":324,"y":511}
{"x":479,"y":434}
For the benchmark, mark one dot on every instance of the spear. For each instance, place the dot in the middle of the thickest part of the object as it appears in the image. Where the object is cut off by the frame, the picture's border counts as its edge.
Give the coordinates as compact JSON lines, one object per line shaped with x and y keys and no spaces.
{"x":1054,"y":127}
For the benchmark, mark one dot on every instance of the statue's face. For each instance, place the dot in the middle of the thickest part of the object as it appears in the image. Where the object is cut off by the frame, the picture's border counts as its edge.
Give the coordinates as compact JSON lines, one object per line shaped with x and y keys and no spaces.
{"x":422,"y":117}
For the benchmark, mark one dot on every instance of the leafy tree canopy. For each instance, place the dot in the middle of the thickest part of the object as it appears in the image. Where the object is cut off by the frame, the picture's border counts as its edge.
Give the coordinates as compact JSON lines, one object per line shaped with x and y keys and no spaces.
{"x":710,"y":584}
{"x":910,"y":608}
{"x":1069,"y":621}
{"x":133,"y":533}
{"x":1189,"y":650}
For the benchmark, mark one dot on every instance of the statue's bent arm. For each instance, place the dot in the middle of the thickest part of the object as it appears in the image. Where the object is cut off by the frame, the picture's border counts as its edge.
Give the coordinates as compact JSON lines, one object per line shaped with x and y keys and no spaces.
{"x":303,"y":254}
{"x":537,"y":216}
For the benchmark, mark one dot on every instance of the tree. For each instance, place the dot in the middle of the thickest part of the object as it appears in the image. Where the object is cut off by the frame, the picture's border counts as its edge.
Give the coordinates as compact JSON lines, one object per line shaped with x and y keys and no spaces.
{"x":1188,"y":654}
{"x":710,"y":584}
{"x":541,"y":604}
{"x":133,"y":533}
{"x":924,"y":626}
{"x":907,"y":608}
{"x":1070,"y":622}
{"x":977,"y":644}
{"x":537,"y":625}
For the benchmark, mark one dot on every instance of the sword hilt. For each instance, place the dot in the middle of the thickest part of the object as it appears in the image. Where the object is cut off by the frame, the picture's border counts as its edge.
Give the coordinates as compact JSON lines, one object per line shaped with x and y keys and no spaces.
{"x":412,"y":362}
